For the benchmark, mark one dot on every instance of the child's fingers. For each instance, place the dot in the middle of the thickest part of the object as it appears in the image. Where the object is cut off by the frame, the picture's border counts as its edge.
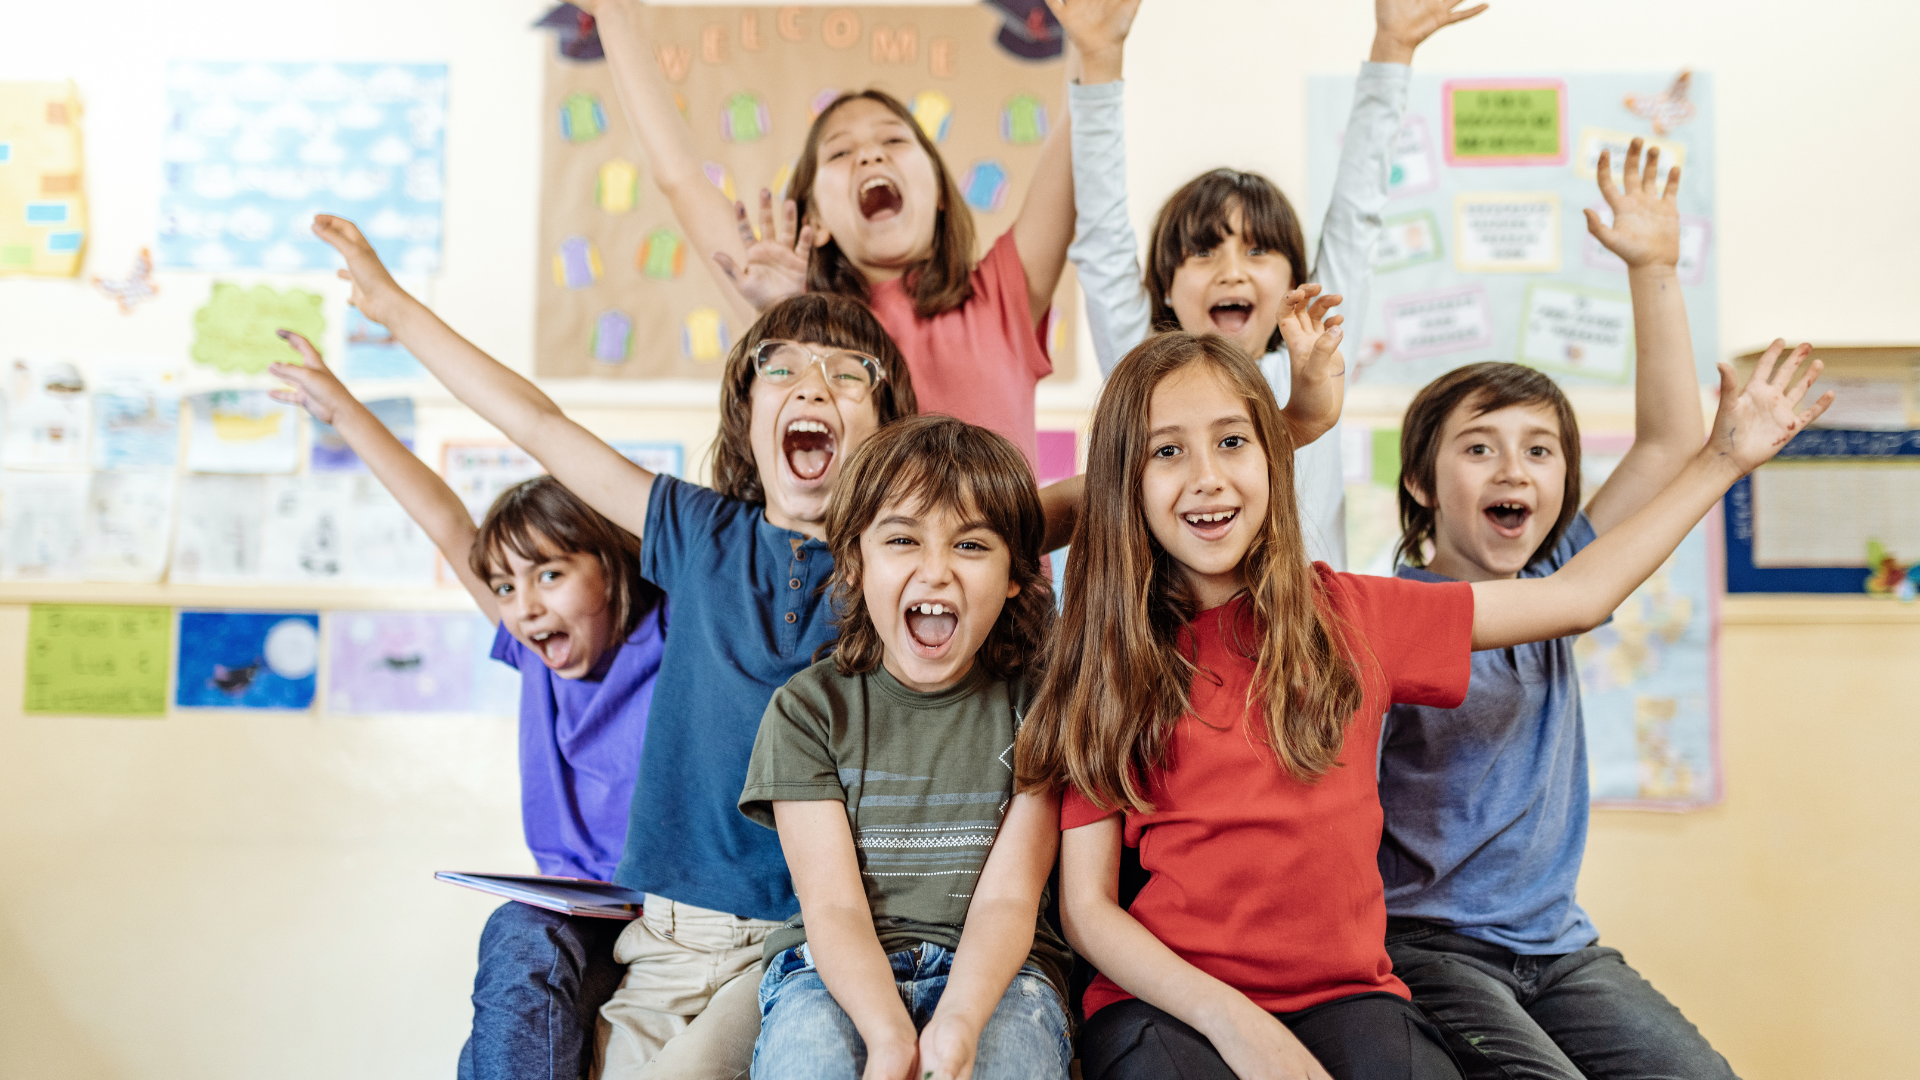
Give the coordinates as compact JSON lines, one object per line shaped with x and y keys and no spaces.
{"x":727,"y":266}
{"x":1462,"y":16}
{"x":1603,"y":174}
{"x":1763,"y":371}
{"x":742,"y":225}
{"x":1799,"y":391}
{"x":1729,"y":386}
{"x":768,"y":227}
{"x":804,"y":245}
{"x":1813,"y":412}
{"x":301,"y":345}
{"x":1600,"y":232}
{"x":1650,"y":176}
{"x":789,"y":222}
{"x":1630,"y":174}
{"x":1783,"y":375}
{"x":287,"y":397}
{"x":1673,"y":184}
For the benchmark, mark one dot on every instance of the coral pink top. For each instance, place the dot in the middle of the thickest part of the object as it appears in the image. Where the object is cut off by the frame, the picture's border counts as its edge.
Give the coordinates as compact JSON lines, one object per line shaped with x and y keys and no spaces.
{"x":981,"y":361}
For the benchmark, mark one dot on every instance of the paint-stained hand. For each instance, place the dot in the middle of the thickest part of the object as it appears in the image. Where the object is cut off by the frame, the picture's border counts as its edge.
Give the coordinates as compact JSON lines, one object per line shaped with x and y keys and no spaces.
{"x":1646,"y":220}
{"x":1098,"y":29}
{"x":1755,"y":422}
{"x":777,"y":259}
{"x":315,"y":388}
{"x":947,"y":1047}
{"x":375,"y":292}
{"x":1401,"y":25}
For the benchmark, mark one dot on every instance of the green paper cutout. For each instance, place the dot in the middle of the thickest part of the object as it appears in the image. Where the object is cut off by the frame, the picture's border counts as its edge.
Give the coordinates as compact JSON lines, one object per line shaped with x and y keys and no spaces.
{"x":235,"y":331}
{"x":1386,"y":458}
{"x":98,"y":659}
{"x":1515,"y":122}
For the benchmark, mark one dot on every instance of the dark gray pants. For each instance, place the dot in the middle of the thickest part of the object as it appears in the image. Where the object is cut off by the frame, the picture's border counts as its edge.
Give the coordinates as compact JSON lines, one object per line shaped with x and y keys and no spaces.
{"x":1583,"y":1015}
{"x":1363,"y":1037}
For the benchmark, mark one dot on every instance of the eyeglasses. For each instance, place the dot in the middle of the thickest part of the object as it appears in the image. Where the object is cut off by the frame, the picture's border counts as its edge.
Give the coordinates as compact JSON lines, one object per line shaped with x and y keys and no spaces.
{"x":849,"y":374}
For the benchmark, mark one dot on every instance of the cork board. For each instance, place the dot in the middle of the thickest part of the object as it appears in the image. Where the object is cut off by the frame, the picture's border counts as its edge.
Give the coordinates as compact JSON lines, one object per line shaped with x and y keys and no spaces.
{"x":622,"y":295}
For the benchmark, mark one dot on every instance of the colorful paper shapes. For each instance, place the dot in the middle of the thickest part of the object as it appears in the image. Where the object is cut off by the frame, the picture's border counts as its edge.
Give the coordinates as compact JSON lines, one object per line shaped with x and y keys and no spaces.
{"x":1023,"y":120}
{"x":43,"y":213}
{"x":743,"y":118}
{"x":933,"y":111}
{"x":662,"y":255}
{"x":133,"y":290}
{"x":984,"y":186}
{"x":612,"y":337}
{"x":719,"y":177}
{"x":98,"y":660}
{"x":577,"y":264}
{"x":1666,"y":110}
{"x":331,"y":453}
{"x":581,"y":118}
{"x":1505,"y":121}
{"x":703,"y":336}
{"x":46,"y":416}
{"x":235,"y":331}
{"x":822,"y":100}
{"x":247,"y":659}
{"x":1029,"y":30}
{"x":617,"y":187}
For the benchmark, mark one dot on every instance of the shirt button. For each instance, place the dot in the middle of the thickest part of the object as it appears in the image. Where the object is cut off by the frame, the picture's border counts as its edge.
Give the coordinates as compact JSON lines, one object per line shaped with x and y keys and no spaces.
{"x":793,"y":583}
{"x":791,"y":617}
{"x":800,"y":556}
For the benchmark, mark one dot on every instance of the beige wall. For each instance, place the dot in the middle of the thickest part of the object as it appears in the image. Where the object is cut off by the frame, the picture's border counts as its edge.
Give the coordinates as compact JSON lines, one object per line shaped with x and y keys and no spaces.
{"x":222,"y":896}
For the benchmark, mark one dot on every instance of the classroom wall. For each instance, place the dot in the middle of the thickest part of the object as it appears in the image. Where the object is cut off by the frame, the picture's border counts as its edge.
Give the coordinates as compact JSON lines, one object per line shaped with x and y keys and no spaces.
{"x":224,"y":896}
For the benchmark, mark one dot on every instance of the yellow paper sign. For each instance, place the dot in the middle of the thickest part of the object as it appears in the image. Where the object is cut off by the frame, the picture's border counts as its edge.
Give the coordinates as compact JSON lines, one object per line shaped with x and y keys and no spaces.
{"x":235,"y":331}
{"x":98,"y":659}
{"x":43,"y":208}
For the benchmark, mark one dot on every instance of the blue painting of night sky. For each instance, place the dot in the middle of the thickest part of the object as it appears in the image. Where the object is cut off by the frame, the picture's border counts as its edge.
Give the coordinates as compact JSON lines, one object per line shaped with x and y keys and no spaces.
{"x":247,"y":659}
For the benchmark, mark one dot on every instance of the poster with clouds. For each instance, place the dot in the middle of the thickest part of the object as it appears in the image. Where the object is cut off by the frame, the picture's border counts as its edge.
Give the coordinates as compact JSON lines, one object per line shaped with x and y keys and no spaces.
{"x":253,"y":150}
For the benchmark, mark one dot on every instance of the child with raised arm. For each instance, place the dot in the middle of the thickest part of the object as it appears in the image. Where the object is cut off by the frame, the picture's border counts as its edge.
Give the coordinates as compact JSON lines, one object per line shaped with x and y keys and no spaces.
{"x":887,"y":768}
{"x":879,"y":218}
{"x":1486,"y":803}
{"x":1215,"y":701}
{"x":1227,"y":255}
{"x":562,"y":584}
{"x":744,"y":565}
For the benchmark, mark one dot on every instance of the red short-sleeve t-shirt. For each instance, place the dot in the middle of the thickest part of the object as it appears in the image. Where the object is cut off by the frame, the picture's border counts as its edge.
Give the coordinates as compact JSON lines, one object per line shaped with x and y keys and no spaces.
{"x":1269,"y":884}
{"x":980,"y":361}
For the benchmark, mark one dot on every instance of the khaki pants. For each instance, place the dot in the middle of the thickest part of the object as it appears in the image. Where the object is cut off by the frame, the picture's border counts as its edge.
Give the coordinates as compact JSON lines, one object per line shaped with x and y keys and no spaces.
{"x":689,"y":1006}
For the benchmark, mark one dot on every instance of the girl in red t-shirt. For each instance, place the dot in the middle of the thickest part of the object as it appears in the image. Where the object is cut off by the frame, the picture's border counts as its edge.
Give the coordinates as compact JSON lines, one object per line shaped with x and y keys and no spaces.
{"x":1214,"y":701}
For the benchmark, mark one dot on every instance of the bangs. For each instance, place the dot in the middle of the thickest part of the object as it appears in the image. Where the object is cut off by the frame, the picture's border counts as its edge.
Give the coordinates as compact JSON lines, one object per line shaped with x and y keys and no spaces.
{"x":1202,"y":219}
{"x":512,"y":531}
{"x":839,"y":325}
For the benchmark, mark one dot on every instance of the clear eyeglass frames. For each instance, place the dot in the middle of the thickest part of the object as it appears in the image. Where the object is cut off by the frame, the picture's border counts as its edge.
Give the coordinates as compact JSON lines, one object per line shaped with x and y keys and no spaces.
{"x":848,"y":373}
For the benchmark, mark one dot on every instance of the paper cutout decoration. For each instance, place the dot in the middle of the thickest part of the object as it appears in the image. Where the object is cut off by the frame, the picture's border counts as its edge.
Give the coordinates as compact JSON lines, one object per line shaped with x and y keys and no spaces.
{"x":581,"y":118}
{"x":219,"y":535}
{"x":136,"y":423}
{"x":372,"y":352}
{"x":1414,"y":169}
{"x":252,"y":149}
{"x":1023,"y":120}
{"x":1029,"y":31}
{"x":236,"y":330}
{"x":46,"y":416}
{"x":406,"y":662}
{"x":577,"y":265}
{"x":1059,"y":455}
{"x":612,"y":337}
{"x":1505,"y":121}
{"x":242,"y":431}
{"x":617,"y":188}
{"x":247,"y":659}
{"x":662,"y":255}
{"x":719,"y":177}
{"x":1408,"y":240}
{"x":984,"y":186}
{"x":660,"y":458}
{"x":1514,"y":232}
{"x":133,"y":290}
{"x":42,"y":527}
{"x":1666,"y":110}
{"x":330,"y":452}
{"x":933,"y":111}
{"x":128,"y":526}
{"x":780,"y":181}
{"x":43,"y":209}
{"x":578,"y":37}
{"x":743,"y":118}
{"x":1439,"y":322}
{"x":479,"y":472}
{"x":97,"y":659}
{"x":704,"y":335}
{"x":821,"y":101}
{"x":1576,"y":329}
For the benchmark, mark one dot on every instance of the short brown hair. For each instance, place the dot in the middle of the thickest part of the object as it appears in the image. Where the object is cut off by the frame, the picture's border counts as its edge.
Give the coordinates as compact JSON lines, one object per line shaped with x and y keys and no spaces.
{"x":938,"y":285}
{"x":823,"y":318}
{"x":540,"y":518}
{"x":1194,"y":220}
{"x":1484,"y":387}
{"x":941,"y":463}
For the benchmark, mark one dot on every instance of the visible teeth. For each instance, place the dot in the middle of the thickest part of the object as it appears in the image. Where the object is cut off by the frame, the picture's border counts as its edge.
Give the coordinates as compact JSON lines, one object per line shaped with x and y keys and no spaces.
{"x":1202,"y":519}
{"x":807,"y":425}
{"x":874,"y":183}
{"x":543,"y":635}
{"x":933,"y":609}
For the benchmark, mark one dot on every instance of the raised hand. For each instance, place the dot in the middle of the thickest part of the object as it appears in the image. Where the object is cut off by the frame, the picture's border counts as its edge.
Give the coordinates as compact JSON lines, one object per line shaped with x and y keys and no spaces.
{"x":1312,"y":336}
{"x":1755,"y":422}
{"x":375,"y":292}
{"x":315,"y":388}
{"x":1401,"y":25}
{"x":777,"y":259}
{"x":1646,"y":220}
{"x":1098,"y":28}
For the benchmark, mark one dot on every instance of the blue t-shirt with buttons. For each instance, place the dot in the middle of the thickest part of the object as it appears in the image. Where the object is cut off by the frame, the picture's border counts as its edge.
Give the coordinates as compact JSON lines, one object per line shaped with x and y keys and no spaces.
{"x":1486,"y":804}
{"x":749,"y":610}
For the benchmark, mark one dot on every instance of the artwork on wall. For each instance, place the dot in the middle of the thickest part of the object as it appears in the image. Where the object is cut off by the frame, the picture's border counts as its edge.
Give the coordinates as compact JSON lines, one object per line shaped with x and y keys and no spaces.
{"x":43,"y":205}
{"x":247,"y":659}
{"x":98,"y":660}
{"x":46,"y":416}
{"x":237,"y":329}
{"x":406,"y":662}
{"x":242,"y":431}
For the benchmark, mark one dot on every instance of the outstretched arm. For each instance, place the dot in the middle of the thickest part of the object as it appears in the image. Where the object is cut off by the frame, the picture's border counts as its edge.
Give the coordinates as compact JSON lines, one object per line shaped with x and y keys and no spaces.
{"x":1666,"y":401}
{"x":591,"y":469}
{"x":426,"y":498}
{"x":1751,"y":426}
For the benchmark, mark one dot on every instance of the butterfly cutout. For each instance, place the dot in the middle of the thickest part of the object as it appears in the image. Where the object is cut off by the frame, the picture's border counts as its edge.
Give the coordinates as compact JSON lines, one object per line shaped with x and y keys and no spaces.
{"x":1666,"y":110}
{"x":134,"y":289}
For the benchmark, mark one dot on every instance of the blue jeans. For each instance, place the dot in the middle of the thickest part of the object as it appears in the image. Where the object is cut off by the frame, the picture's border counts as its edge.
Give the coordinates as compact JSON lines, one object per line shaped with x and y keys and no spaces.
{"x":543,"y":977}
{"x":805,"y":1035}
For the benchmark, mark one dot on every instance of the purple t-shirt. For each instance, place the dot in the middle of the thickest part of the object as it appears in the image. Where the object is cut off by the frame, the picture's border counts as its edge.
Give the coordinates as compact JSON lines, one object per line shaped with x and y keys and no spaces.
{"x":580,"y":748}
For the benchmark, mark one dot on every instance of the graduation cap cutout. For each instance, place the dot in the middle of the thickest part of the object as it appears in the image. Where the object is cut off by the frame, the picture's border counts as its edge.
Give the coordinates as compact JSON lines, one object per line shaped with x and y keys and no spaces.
{"x":579,"y":37}
{"x":1029,"y":30}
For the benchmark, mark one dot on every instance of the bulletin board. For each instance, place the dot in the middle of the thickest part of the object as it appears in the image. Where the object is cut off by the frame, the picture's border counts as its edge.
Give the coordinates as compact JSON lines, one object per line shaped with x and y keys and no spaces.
{"x":1485,"y":253}
{"x":1803,"y":521}
{"x":622,"y":295}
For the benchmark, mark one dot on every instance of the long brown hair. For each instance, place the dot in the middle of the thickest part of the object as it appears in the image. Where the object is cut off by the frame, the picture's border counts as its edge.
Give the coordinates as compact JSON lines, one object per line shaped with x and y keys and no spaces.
{"x":1484,"y":387}
{"x":539,"y":518}
{"x":1194,"y":219}
{"x":1118,"y":677}
{"x":822,"y":318}
{"x":944,"y":280}
{"x":937,"y":462}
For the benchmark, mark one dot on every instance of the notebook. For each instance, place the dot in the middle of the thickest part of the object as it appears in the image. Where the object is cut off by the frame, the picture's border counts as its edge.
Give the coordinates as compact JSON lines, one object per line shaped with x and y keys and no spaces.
{"x":569,"y":895}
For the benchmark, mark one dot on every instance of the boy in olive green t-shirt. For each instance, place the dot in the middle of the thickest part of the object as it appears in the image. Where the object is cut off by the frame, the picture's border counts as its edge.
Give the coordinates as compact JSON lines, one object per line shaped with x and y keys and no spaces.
{"x":888,"y":771}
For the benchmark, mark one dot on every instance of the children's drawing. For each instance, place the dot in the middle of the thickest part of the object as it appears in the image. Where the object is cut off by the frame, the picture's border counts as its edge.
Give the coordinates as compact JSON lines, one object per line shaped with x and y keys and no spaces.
{"x":98,"y":660}
{"x":218,"y":540}
{"x":43,"y":207}
{"x":933,"y":111}
{"x":136,"y":421}
{"x":743,"y":118}
{"x":1890,"y":577}
{"x":479,"y":472}
{"x":985,"y":186}
{"x":330,"y":451}
{"x":247,"y":659}
{"x":252,"y":149}
{"x":385,"y":547}
{"x":133,"y":290}
{"x":237,"y":329}
{"x":42,"y":527}
{"x":46,"y":416}
{"x":662,"y":255}
{"x":1666,"y":110}
{"x":581,"y":118}
{"x":577,"y":264}
{"x":1023,"y":120}
{"x":128,"y":524}
{"x":242,"y":431}
{"x":703,"y":336}
{"x":372,"y":352}
{"x":612,"y":337}
{"x":617,"y":188}
{"x":402,"y":662}
{"x":303,"y":539}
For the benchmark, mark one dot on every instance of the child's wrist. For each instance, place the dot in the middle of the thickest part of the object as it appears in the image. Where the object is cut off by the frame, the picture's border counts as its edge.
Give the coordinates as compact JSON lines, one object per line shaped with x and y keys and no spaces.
{"x":1388,"y":49}
{"x":1655,"y":270}
{"x":1101,"y":65}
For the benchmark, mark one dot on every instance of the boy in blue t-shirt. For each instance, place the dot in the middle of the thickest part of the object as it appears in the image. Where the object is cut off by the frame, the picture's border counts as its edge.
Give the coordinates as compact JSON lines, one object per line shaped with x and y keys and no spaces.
{"x":1486,"y":805}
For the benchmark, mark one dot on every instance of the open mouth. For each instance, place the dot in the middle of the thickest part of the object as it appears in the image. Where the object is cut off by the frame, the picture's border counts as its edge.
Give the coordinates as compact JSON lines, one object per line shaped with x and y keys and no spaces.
{"x":556,"y":647}
{"x":931,"y":626}
{"x":808,"y":446}
{"x":879,"y":197}
{"x":1231,"y":316}
{"x":1509,"y":518}
{"x":1210,"y":524}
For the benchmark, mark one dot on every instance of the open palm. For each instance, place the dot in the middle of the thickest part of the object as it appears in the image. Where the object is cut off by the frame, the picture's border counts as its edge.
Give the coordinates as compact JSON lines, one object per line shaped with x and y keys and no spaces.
{"x":1646,"y":220}
{"x":1755,"y":422}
